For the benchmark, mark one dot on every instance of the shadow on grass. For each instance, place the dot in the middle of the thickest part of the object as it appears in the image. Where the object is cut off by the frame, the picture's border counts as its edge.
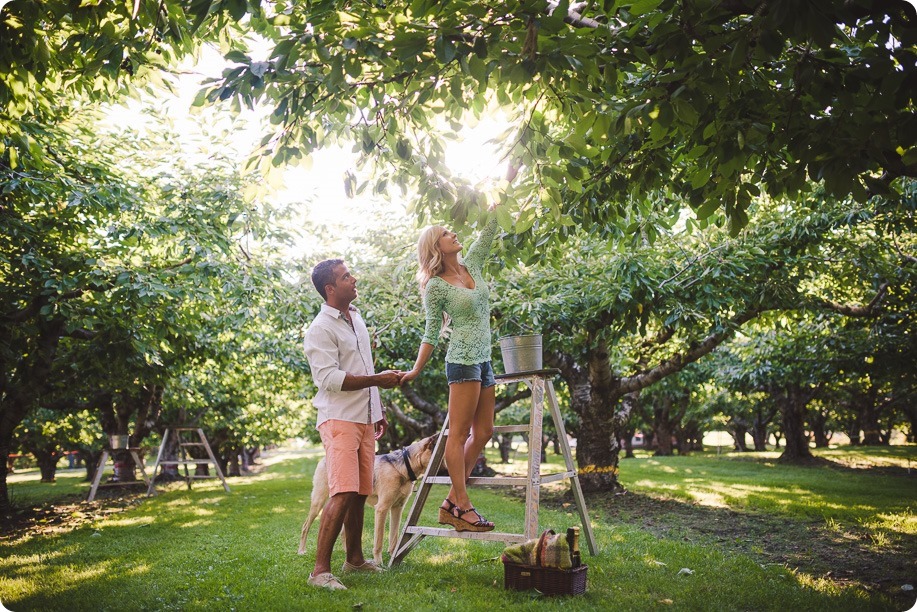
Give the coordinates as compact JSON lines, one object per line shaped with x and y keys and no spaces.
{"x":847,"y":555}
{"x":206,"y":550}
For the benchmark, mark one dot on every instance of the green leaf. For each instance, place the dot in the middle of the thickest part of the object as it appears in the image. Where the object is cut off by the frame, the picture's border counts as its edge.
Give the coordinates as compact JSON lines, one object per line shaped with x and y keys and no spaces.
{"x":504,"y":219}
{"x":642,"y":7}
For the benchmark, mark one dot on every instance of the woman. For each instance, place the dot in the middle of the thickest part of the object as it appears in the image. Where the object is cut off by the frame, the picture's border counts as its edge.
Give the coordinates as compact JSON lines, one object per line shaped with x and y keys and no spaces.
{"x":456,"y":288}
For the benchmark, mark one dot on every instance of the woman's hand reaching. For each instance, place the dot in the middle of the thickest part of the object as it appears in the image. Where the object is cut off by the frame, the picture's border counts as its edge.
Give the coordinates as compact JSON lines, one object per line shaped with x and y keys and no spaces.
{"x":512,"y":169}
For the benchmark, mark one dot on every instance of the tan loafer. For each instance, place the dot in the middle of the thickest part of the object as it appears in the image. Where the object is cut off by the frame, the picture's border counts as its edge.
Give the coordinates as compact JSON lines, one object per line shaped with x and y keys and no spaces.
{"x":326,"y":580}
{"x":368,"y":566}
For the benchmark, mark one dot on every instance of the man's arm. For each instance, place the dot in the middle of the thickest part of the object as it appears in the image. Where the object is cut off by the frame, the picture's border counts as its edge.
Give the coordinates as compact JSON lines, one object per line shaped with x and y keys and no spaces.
{"x":387,"y":380}
{"x":322,"y":352}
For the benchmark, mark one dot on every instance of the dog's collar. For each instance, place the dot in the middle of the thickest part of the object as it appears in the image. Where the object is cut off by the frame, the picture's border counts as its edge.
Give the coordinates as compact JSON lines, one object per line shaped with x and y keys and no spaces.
{"x":407,"y":464}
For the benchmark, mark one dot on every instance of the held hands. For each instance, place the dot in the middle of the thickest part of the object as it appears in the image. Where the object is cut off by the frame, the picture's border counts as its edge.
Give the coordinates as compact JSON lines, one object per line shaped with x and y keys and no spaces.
{"x":409,"y":376}
{"x":389,"y":379}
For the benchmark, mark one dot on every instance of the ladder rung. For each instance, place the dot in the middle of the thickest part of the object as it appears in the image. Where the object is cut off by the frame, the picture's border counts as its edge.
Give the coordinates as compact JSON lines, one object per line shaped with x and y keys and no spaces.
{"x":555,"y":477}
{"x":186,"y":462}
{"x":481,"y":480}
{"x":512,"y":428}
{"x":468,"y":535}
{"x":191,"y":444}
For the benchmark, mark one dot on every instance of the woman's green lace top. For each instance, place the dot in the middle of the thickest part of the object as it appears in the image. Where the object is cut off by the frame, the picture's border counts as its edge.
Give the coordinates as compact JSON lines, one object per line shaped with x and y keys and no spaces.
{"x":470,"y":341}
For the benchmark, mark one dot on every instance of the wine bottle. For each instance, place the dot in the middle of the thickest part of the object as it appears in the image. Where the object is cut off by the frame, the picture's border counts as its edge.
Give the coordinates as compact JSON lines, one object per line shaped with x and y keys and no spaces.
{"x":575,"y":557}
{"x":573,"y":542}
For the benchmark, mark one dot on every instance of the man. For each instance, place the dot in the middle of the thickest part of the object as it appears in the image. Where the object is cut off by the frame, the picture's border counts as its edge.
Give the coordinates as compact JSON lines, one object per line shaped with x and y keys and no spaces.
{"x":350,"y":416}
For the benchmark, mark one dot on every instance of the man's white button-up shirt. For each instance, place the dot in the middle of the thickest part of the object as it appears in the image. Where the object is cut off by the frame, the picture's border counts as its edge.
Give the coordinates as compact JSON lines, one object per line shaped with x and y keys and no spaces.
{"x":335,"y":349}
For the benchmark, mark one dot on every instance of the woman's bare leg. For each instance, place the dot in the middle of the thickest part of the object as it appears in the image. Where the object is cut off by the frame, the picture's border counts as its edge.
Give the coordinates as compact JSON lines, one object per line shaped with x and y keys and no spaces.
{"x":463,"y":402}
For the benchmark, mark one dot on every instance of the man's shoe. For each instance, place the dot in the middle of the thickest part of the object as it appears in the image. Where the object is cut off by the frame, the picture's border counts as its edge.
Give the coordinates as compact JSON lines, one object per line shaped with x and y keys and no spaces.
{"x":326,"y":580}
{"x":368,"y":566}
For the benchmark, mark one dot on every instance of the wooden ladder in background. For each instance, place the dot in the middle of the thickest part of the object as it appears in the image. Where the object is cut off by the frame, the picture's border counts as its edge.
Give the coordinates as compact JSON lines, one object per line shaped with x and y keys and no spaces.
{"x":184,"y":460}
{"x":539,"y":381}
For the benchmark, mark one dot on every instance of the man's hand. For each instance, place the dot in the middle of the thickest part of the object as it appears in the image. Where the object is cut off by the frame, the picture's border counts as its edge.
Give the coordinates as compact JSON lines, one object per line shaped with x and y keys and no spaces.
{"x":381,"y":427}
{"x":389,"y":379}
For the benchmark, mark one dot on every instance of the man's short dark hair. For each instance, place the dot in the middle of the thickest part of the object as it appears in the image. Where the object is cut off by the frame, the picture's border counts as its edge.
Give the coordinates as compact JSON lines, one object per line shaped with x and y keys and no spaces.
{"x":323,"y":274}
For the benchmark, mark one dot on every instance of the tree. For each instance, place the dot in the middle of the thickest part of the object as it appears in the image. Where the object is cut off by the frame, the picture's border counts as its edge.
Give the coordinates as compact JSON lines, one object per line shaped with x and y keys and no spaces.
{"x":118,"y":277}
{"x":608,"y":100}
{"x":47,"y":436}
{"x":617,"y":322}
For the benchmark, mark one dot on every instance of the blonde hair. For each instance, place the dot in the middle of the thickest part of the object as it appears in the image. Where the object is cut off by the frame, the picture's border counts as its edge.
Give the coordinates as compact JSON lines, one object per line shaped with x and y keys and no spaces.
{"x":429,"y":257}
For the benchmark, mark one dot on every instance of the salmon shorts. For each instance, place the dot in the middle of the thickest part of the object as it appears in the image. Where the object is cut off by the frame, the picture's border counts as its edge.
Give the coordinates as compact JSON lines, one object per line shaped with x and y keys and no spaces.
{"x":349,"y":456}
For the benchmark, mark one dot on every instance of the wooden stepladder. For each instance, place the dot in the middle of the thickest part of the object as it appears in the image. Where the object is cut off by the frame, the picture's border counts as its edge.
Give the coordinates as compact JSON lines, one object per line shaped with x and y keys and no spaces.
{"x":184,"y":460}
{"x":539,"y":381}
{"x":106,"y":453}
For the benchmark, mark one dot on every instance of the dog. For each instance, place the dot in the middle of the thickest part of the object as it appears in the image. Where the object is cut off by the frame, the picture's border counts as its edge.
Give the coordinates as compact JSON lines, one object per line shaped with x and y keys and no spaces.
{"x":393,"y":478}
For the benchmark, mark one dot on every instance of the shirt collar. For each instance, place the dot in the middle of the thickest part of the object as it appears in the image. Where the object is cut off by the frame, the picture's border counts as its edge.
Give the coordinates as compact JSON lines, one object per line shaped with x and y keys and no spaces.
{"x":334,"y":312}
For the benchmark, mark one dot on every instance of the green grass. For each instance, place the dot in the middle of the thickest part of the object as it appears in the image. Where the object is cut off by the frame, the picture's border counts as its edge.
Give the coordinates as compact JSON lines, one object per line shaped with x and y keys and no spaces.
{"x":756,"y":482}
{"x":207,"y":550}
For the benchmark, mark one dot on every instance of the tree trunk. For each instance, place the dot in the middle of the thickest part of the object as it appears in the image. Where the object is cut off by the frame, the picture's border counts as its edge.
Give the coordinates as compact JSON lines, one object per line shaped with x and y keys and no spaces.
{"x":737,"y":430}
{"x":649,"y":439}
{"x":792,"y":400}
{"x":506,"y":447}
{"x":627,"y":441}
{"x":688,"y":437}
{"x":759,"y":428}
{"x":853,"y":431}
{"x":47,"y":462}
{"x":663,"y":436}
{"x":869,"y":421}
{"x":233,"y":464}
{"x":24,"y":391}
{"x":91,"y":461}
{"x":818,"y":421}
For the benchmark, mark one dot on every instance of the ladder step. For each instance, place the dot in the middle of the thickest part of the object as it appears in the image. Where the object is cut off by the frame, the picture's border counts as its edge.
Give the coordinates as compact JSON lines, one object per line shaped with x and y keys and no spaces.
{"x":191,"y":444}
{"x":493,"y":536}
{"x":512,"y":428}
{"x":481,"y":480}
{"x":555,"y":477}
{"x":186,"y":462}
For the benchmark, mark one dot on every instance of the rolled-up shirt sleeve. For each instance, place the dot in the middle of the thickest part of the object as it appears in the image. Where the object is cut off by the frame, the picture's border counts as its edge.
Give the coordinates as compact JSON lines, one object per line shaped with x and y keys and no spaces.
{"x":322,"y":353}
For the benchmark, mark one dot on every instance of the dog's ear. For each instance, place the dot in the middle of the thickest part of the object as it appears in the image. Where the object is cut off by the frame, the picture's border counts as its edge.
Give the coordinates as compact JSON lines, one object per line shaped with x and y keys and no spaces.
{"x":431,"y":442}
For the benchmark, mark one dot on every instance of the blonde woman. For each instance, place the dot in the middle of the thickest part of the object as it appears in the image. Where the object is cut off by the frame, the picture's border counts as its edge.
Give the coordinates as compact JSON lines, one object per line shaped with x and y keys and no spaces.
{"x":455,"y":287}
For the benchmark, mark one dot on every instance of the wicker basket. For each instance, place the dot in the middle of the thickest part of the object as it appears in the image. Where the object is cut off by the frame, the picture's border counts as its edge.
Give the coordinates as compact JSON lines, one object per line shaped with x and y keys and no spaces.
{"x":547,"y":580}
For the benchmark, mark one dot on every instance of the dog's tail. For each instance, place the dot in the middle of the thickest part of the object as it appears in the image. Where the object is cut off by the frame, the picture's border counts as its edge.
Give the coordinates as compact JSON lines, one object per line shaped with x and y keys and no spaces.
{"x":319,"y":498}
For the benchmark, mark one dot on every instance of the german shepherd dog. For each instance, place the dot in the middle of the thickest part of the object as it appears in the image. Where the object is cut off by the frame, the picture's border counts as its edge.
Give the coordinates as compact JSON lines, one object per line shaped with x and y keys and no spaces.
{"x":393,"y":478}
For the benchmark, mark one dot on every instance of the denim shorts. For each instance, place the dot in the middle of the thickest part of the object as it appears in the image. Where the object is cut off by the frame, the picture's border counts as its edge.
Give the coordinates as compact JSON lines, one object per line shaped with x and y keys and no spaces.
{"x":480,"y":372}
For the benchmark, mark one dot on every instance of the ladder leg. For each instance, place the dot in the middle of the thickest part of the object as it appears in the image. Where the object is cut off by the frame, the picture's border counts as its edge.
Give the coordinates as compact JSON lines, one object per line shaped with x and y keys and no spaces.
{"x":98,"y":477}
{"x":184,"y":457}
{"x":407,"y":541}
{"x":533,"y":485}
{"x":216,"y":465}
{"x":151,"y":490}
{"x":568,"y":460}
{"x":139,"y":463}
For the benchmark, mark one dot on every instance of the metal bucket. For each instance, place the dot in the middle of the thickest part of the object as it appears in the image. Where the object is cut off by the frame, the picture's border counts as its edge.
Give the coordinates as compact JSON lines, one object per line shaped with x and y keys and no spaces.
{"x":521,"y":353}
{"x":119,"y":442}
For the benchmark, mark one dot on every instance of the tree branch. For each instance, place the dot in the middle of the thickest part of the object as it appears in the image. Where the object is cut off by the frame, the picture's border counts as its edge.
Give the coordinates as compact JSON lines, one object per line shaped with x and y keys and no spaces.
{"x":420,"y":403}
{"x":695,"y":352}
{"x":853,"y":310}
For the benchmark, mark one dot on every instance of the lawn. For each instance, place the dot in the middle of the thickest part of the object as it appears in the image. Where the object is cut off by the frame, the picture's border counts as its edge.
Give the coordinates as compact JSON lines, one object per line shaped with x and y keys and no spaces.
{"x":208,"y":550}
